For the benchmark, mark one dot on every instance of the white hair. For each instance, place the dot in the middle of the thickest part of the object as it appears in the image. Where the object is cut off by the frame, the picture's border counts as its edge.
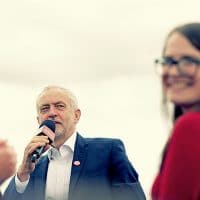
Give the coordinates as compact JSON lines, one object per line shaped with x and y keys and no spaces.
{"x":72,"y":98}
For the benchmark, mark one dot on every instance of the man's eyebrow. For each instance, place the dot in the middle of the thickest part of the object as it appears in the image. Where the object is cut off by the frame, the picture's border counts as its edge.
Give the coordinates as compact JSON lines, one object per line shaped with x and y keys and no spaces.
{"x":59,"y":102}
{"x":43,"y":105}
{"x":48,"y":104}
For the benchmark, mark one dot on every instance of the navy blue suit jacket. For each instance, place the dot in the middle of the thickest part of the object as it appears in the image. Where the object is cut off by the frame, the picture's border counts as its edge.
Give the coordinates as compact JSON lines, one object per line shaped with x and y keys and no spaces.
{"x":104,"y":173}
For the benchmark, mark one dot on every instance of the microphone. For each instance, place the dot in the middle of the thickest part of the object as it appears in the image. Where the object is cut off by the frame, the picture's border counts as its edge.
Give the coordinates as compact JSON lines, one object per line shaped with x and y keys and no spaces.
{"x":46,"y":128}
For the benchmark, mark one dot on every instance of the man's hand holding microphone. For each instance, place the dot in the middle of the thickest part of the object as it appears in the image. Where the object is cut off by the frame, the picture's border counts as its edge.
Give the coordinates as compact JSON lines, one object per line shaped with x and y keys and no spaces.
{"x":38,"y":145}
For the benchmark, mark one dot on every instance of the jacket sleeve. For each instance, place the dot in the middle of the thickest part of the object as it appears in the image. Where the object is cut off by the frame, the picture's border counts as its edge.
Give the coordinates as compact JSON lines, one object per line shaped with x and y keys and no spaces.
{"x":125,"y":183}
{"x":35,"y":189}
{"x":11,"y":193}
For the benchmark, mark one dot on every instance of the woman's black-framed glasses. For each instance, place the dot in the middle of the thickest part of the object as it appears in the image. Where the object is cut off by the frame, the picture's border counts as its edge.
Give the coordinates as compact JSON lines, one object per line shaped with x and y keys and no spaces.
{"x":186,"y":65}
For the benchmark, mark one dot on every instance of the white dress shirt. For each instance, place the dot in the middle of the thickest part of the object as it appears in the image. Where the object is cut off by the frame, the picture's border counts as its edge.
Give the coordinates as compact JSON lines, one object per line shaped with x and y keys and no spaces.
{"x":59,"y":171}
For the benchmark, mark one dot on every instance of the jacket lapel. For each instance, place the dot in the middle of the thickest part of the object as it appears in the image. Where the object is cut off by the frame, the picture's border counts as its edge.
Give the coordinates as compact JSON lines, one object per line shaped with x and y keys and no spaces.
{"x":80,"y":153}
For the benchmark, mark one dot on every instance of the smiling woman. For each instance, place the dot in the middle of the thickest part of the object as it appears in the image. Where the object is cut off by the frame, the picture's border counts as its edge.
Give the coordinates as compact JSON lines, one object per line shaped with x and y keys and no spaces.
{"x":179,"y":68}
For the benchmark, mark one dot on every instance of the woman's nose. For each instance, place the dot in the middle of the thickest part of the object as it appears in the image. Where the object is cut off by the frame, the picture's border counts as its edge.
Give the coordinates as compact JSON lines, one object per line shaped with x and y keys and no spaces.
{"x":173,"y":70}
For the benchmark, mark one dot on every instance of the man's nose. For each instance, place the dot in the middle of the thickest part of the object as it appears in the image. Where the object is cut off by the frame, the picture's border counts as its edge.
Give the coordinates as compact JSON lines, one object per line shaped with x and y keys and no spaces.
{"x":52,"y":112}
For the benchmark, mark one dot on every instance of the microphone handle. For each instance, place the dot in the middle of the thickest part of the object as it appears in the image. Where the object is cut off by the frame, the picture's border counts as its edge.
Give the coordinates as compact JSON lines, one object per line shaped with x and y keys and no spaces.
{"x":36,"y":154}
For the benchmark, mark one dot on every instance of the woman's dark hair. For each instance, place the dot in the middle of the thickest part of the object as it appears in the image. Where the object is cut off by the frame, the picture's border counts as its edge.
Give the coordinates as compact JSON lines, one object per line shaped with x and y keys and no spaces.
{"x":177,"y":112}
{"x":191,"y":32}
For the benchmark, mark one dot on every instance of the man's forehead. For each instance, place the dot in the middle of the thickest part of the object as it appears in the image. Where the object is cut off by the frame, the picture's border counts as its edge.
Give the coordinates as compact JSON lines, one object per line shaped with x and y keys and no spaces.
{"x":52,"y":96}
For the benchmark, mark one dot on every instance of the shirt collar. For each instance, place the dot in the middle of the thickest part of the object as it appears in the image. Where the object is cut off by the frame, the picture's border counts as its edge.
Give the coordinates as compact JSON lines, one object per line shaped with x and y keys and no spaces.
{"x":69,"y":143}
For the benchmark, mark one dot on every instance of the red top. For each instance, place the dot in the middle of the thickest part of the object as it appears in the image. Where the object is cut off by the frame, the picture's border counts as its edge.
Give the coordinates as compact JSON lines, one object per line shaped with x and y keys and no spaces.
{"x":179,"y":177}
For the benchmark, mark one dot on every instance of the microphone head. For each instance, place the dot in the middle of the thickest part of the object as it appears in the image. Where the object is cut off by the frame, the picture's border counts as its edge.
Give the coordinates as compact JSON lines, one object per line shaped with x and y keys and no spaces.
{"x":50,"y":124}
{"x":47,"y":128}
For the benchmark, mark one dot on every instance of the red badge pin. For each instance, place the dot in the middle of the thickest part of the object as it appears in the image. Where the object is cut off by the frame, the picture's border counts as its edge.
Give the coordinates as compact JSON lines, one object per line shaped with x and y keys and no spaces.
{"x":77,"y":163}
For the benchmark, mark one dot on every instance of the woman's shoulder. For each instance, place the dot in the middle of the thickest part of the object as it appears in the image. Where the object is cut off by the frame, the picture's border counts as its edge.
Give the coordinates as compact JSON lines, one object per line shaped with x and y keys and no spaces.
{"x":187,"y":124}
{"x":188,"y":119}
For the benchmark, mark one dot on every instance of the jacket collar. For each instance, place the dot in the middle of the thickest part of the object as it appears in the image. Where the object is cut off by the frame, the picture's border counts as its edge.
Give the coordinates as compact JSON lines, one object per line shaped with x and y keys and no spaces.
{"x":80,"y":153}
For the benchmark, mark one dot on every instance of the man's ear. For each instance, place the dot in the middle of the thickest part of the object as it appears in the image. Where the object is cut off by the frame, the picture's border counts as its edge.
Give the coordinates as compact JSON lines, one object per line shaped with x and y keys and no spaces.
{"x":77,"y":115}
{"x":38,"y":120}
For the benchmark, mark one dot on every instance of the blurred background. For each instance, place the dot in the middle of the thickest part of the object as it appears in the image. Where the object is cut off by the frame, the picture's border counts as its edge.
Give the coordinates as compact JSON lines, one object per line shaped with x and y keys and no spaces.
{"x":103,"y":51}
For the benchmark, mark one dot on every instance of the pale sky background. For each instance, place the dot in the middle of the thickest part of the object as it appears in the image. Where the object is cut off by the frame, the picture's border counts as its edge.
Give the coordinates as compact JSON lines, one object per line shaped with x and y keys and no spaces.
{"x":103,"y":51}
